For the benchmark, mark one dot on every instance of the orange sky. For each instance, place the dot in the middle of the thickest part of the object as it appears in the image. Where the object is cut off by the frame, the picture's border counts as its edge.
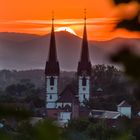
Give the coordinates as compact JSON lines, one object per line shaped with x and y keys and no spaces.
{"x":33,"y":16}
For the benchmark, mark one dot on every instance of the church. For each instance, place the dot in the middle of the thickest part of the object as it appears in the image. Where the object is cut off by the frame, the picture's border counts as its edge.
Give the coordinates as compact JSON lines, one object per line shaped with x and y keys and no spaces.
{"x":66,"y":105}
{"x":69,"y":104}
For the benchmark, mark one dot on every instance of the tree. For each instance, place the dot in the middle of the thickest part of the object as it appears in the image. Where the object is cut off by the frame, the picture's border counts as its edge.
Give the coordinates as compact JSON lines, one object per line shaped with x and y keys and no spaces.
{"x":109,"y":79}
{"x":131,"y":24}
{"x":43,"y":130}
{"x":127,"y":58}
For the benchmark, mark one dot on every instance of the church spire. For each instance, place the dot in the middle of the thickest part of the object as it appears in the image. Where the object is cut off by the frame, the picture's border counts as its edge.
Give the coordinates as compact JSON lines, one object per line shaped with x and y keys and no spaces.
{"x":85,"y":52}
{"x":84,"y":65}
{"x":52,"y":64}
{"x":52,"y":51}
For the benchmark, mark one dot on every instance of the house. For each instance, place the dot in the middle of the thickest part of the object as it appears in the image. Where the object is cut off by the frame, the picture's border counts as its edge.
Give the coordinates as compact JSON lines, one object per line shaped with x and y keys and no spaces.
{"x":124,"y":109}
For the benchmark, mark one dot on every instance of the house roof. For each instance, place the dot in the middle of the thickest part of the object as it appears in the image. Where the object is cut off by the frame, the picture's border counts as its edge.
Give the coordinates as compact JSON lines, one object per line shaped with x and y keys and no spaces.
{"x":99,"y":89}
{"x":68,"y":95}
{"x":124,"y":104}
{"x":104,"y":114}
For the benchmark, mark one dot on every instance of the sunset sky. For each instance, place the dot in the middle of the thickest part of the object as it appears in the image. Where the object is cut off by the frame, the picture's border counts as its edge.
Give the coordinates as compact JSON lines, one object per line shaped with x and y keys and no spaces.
{"x":33,"y":16}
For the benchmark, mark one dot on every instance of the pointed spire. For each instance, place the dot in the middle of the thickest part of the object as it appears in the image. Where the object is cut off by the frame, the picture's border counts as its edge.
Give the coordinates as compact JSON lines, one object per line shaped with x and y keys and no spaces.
{"x":52,"y":51}
{"x":84,"y":64}
{"x":85,"y":51}
{"x":52,"y":65}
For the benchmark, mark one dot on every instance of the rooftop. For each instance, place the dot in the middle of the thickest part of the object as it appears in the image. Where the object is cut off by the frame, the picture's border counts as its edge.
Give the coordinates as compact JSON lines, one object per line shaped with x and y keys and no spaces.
{"x":104,"y":114}
{"x":124,"y":104}
{"x":68,"y":95}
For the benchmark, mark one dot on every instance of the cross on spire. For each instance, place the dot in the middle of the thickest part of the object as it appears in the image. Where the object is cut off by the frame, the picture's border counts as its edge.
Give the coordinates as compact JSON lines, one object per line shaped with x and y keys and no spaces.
{"x":85,"y":14}
{"x":52,"y":15}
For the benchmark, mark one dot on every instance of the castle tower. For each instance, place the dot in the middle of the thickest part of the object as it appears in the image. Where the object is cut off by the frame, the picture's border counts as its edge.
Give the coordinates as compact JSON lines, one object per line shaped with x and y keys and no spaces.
{"x":84,"y":70}
{"x":52,"y":71}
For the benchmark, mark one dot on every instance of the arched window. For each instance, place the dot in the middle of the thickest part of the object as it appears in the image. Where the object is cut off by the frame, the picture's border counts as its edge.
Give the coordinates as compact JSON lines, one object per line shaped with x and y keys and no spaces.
{"x":51,"y":81}
{"x":84,"y":81}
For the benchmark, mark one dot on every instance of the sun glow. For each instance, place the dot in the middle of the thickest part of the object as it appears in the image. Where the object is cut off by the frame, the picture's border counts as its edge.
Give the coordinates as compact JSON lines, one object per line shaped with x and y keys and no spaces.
{"x":67,"y":29}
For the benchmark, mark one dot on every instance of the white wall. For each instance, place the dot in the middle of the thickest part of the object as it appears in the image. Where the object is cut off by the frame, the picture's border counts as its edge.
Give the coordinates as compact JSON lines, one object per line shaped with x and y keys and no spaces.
{"x":64,"y":117}
{"x":49,"y":87}
{"x":52,"y":92}
{"x":84,"y":90}
{"x":125,"y":111}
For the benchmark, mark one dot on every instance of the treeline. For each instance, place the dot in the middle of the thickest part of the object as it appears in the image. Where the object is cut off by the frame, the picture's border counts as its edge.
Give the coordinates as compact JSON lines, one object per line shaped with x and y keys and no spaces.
{"x":103,"y":77}
{"x":37,"y":77}
{"x":109,"y":86}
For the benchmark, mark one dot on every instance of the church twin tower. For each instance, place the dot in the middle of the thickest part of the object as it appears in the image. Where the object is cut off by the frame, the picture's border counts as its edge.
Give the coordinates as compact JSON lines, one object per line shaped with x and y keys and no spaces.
{"x":52,"y":71}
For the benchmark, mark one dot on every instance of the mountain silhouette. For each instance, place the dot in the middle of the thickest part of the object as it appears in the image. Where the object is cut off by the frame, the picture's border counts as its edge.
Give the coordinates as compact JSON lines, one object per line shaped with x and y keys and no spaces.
{"x":27,"y":51}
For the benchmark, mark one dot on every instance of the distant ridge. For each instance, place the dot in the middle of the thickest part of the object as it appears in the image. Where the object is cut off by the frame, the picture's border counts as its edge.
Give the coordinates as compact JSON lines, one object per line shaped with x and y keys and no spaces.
{"x":29,"y":51}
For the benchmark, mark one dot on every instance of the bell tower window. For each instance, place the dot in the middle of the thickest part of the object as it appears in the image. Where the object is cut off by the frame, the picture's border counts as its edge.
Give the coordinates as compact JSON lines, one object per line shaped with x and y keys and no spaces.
{"x":50,"y":96}
{"x":84,"y":81}
{"x":51,"y":81}
{"x":84,"y":96}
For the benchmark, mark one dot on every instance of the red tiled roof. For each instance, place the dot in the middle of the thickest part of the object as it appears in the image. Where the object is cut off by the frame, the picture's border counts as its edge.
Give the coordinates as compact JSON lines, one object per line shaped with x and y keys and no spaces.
{"x":68,"y":95}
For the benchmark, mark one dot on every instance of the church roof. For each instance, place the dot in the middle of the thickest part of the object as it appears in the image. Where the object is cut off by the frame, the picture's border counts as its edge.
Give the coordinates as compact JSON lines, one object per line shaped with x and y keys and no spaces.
{"x":52,"y":64}
{"x":124,"y":104}
{"x":68,"y":95}
{"x":84,"y":65}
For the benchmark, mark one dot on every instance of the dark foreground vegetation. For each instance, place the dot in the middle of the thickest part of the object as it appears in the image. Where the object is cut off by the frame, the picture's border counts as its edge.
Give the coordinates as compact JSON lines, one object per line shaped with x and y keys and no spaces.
{"x":81,"y":129}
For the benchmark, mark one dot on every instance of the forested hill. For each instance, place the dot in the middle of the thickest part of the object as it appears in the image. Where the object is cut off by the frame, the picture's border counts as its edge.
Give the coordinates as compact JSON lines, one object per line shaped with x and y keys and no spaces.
{"x":37,"y":77}
{"x":107,"y":79}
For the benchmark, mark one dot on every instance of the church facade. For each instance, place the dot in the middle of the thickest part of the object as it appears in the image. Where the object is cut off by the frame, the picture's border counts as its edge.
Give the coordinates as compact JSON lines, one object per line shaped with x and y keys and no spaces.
{"x":69,"y":104}
{"x":66,"y":105}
